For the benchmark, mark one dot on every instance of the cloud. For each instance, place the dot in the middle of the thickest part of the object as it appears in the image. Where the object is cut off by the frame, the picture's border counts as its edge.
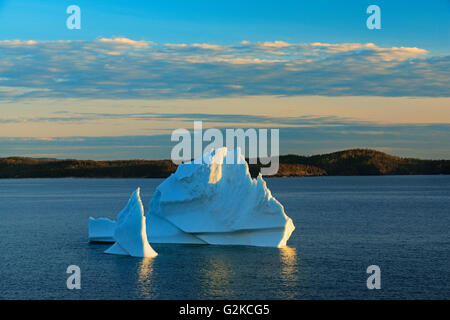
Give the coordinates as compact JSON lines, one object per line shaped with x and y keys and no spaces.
{"x":424,"y":141}
{"x":401,"y":53}
{"x":205,"y":46}
{"x":120,"y":68}
{"x":126,"y":41}
{"x":385,"y":54}
{"x":275,"y":44}
{"x":229,"y":120}
{"x":19,"y":42}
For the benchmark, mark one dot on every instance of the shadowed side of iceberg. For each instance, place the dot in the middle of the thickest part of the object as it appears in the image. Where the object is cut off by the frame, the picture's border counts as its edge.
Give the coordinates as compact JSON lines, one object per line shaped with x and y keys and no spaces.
{"x":162,"y":231}
{"x":270,"y":237}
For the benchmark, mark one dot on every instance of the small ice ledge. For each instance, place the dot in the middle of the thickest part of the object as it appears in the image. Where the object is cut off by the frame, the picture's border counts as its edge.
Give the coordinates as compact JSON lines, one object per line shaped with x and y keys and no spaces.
{"x":130,"y":232}
{"x":101,"y":230}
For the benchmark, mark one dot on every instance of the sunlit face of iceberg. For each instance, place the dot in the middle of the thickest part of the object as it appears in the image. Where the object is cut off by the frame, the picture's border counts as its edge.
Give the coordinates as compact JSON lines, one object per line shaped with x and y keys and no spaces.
{"x":130,"y":233}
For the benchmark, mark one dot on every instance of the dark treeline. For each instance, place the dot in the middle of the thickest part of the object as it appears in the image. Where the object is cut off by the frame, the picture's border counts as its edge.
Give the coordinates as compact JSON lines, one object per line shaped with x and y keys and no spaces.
{"x":348,"y":162}
{"x":357,"y":162}
{"x":18,"y":167}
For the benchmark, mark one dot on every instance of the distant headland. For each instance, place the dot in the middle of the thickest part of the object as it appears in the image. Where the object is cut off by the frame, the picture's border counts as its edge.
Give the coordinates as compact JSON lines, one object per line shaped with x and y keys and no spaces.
{"x":354,"y":162}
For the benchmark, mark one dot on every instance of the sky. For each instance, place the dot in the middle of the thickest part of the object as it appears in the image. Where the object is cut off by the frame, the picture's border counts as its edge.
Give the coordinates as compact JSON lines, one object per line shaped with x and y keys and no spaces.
{"x":116,"y":88}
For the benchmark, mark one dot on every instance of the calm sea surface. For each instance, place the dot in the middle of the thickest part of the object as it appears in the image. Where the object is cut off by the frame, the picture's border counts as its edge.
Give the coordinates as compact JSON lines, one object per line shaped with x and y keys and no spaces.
{"x":343,"y":225}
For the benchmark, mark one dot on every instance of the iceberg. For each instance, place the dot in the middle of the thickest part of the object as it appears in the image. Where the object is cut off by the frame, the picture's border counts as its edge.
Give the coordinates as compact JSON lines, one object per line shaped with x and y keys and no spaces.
{"x":219,"y":203}
{"x":212,"y":202}
{"x":130,"y":232}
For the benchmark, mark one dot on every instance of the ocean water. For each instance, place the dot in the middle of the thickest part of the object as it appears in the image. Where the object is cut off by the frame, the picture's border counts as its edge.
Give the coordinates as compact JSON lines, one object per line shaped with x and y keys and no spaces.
{"x":343,"y":225}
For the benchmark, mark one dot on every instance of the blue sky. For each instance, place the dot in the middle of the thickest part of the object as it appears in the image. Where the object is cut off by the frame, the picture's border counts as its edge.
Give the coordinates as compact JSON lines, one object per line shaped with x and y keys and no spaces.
{"x":409,"y":23}
{"x":138,"y":69}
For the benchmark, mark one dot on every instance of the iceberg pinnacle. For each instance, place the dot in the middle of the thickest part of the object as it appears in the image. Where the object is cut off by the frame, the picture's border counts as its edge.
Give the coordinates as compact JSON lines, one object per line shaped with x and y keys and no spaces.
{"x":130,"y":231}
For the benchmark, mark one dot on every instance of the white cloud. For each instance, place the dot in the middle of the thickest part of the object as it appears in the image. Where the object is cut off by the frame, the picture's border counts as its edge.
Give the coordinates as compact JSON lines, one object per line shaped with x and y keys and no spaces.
{"x":275,"y":44}
{"x":398,"y":54}
{"x":126,"y":41}
{"x":126,"y":68}
{"x":205,"y":46}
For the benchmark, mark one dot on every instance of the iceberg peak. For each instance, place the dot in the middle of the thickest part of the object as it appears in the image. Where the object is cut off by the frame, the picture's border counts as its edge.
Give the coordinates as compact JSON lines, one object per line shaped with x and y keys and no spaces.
{"x":130,"y":232}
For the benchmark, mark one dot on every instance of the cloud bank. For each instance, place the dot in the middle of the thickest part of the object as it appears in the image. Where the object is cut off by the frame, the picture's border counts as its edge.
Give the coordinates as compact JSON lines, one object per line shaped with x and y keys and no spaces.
{"x":122,"y":68}
{"x":317,"y":136}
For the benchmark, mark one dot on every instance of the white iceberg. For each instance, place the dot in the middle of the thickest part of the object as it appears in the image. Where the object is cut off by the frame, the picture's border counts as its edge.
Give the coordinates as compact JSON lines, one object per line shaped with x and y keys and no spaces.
{"x":213,"y":203}
{"x":130,"y":232}
{"x":220,"y":203}
{"x":101,"y":230}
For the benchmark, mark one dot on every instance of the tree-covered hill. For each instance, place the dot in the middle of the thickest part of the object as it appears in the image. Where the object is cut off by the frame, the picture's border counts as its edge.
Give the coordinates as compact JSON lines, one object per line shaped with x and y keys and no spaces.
{"x":32,"y":168}
{"x":369,"y":162}
{"x":348,"y":162}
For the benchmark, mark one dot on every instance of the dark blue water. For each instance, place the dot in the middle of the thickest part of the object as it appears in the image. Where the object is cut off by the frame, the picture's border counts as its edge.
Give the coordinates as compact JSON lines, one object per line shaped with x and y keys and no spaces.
{"x":344,"y":224}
